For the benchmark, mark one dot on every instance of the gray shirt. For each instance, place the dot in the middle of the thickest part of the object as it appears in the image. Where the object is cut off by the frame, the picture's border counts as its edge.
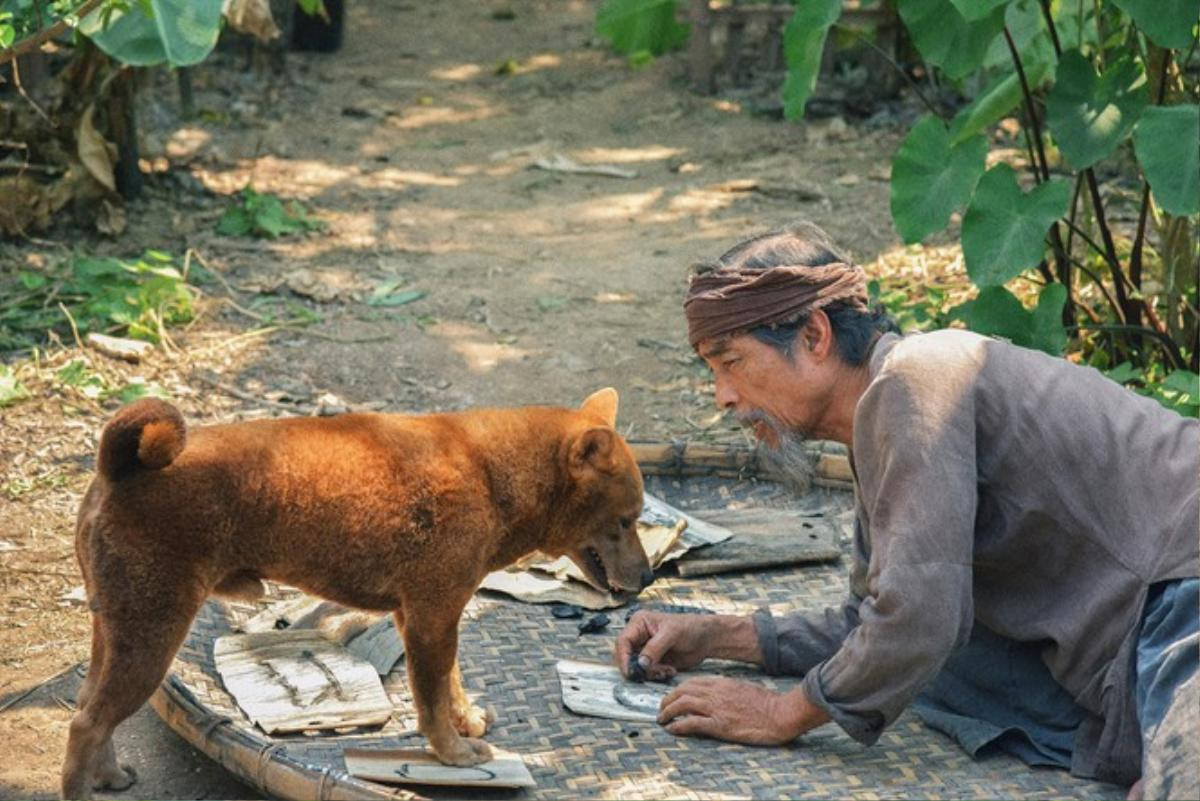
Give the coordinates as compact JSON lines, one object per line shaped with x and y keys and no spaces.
{"x":999,"y":484}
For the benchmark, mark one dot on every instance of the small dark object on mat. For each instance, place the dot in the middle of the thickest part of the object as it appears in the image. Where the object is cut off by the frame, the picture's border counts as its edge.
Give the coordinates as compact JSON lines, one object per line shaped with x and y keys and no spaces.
{"x":671,"y":609}
{"x":595,"y":623}
{"x":635,"y":670}
{"x":566,"y":611}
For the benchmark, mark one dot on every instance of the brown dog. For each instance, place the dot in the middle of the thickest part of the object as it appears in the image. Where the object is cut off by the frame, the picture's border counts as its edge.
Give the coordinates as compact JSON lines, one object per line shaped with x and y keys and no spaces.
{"x":384,"y":512}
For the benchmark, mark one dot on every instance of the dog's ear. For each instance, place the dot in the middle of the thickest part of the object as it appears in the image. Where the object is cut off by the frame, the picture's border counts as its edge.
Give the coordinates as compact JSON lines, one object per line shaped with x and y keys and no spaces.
{"x":593,"y":450}
{"x":603,"y":404}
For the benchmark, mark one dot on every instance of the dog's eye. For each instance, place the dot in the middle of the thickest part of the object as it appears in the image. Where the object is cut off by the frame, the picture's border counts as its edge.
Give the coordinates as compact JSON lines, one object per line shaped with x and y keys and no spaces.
{"x":626,"y":522}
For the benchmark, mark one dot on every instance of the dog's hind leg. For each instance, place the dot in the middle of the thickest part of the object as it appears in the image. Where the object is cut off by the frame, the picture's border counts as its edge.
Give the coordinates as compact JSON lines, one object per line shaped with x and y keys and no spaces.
{"x":431,"y":645}
{"x":135,"y":656}
{"x":108,"y":773}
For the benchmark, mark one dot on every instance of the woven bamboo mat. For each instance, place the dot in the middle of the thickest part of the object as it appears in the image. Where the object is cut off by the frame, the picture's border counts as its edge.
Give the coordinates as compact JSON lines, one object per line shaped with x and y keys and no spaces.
{"x":508,"y":651}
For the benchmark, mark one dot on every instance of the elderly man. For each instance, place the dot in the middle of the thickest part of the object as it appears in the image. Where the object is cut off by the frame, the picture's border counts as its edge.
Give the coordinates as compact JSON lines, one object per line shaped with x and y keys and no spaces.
{"x":1026,"y":540}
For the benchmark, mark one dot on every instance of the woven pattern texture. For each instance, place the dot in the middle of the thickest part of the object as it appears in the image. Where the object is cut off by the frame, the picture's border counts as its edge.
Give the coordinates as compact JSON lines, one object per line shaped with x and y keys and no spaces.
{"x":508,"y":651}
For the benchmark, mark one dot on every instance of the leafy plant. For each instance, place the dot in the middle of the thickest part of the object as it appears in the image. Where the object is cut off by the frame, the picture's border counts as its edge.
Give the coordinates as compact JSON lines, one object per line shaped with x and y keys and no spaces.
{"x":138,"y":298}
{"x":11,"y":388}
{"x":265,"y":215}
{"x":641,"y":28}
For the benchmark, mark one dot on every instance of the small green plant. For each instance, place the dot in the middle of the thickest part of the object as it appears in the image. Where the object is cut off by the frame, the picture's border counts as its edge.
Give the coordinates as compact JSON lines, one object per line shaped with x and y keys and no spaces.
{"x":262,"y":214}
{"x":641,"y":29}
{"x":11,"y":388}
{"x":138,"y":298}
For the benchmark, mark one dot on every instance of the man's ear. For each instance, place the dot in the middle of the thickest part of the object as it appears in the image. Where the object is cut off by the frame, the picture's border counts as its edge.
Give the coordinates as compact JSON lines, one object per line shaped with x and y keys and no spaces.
{"x":603,"y":404}
{"x":593,"y":450}
{"x":817,"y":335}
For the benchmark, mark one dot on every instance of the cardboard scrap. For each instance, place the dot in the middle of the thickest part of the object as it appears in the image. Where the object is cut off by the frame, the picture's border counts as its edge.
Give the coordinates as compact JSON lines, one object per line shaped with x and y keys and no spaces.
{"x":765,"y":538}
{"x":419,"y":766}
{"x":368,"y":635}
{"x":666,"y":532}
{"x":601,"y":691}
{"x":290,"y":681}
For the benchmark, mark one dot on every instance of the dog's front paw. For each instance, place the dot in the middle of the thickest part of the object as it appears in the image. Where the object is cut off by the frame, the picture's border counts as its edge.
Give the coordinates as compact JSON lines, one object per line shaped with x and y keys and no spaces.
{"x":114,"y":777}
{"x":472,"y":721}
{"x":466,"y":752}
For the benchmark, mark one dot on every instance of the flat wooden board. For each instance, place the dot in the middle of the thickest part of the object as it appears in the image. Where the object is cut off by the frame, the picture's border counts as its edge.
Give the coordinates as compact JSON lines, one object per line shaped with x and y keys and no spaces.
{"x":764,"y":538}
{"x":290,"y":681}
{"x":419,"y":766}
{"x":601,"y":691}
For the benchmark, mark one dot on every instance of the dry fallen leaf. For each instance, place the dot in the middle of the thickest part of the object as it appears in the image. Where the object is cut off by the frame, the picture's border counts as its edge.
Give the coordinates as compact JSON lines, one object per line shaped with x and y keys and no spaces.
{"x":96,"y":153}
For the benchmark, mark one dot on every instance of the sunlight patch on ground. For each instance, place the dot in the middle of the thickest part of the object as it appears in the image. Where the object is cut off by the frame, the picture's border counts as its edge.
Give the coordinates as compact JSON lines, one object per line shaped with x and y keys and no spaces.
{"x":619,"y":207}
{"x":920,"y":263}
{"x":480,"y":356}
{"x":626,"y":155}
{"x":459,"y":72}
{"x":426,"y":116}
{"x":186,"y":143}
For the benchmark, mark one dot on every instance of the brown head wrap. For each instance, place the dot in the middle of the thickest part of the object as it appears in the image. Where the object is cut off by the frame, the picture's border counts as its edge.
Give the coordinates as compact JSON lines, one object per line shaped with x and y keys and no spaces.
{"x":728,"y":299}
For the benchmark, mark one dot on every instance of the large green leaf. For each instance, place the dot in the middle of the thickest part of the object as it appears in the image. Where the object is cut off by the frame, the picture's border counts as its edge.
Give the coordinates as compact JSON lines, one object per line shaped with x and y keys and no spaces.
{"x":994,"y":103}
{"x":931,"y":179}
{"x":1166,"y":145}
{"x":1089,"y":115}
{"x":1024,"y":21}
{"x":997,"y":312}
{"x":1004,"y":231}
{"x":946,"y":38}
{"x":977,"y":9}
{"x":178,"y":32}
{"x":634,"y":26}
{"x":1168,"y":23}
{"x":1046,"y":326}
{"x":803,"y":44}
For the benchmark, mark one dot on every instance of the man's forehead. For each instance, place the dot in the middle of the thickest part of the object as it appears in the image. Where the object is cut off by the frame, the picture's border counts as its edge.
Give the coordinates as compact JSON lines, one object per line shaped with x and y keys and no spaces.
{"x":711,"y":348}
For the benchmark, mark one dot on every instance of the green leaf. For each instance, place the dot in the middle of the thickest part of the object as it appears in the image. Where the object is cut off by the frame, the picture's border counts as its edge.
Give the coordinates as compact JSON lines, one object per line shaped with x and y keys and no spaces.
{"x":634,"y":25}
{"x":1024,"y":22}
{"x":1046,"y":330}
{"x":137,"y":390}
{"x":398,"y":299}
{"x":1004,"y":230}
{"x":932,"y":179}
{"x":997,"y":312}
{"x":1168,"y":23}
{"x":803,"y":46}
{"x":972,"y":10}
{"x":947,"y":39}
{"x":995,"y":103}
{"x":177,"y":32}
{"x":1123,"y":373}
{"x":1089,"y":115}
{"x":1165,"y":142}
{"x":11,"y":390}
{"x":1184,"y":382}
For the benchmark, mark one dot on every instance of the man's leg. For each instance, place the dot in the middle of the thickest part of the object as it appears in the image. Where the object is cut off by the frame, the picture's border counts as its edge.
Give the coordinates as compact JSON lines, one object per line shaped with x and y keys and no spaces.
{"x":1168,"y":691}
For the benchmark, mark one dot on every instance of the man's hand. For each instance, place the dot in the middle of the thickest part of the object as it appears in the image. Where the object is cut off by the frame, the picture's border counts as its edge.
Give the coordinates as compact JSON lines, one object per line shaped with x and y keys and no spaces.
{"x":664,"y":643}
{"x":738,"y":711}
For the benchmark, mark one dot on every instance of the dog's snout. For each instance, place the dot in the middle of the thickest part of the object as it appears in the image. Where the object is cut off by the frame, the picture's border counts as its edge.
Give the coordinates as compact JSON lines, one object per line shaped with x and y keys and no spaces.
{"x":647,"y":578}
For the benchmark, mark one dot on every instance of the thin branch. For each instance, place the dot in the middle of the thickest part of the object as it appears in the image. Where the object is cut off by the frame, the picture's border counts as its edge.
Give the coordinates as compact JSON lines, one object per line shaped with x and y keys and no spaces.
{"x":1110,"y":247}
{"x":1096,"y":280}
{"x":1045,"y":4}
{"x":1135,"y":256}
{"x":33,"y":42}
{"x":1030,"y":110}
{"x":1074,"y":208}
{"x":1165,"y":342}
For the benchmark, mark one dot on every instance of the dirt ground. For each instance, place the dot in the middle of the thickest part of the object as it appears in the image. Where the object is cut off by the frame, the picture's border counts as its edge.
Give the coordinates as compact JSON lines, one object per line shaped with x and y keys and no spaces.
{"x":540,"y":286}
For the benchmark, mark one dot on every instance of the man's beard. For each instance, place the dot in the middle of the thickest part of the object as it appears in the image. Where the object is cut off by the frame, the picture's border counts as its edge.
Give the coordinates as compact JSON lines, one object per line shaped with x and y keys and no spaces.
{"x":790,"y":459}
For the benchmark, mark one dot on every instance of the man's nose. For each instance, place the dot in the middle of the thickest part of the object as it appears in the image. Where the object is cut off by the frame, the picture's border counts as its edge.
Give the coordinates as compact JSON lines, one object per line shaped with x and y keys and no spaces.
{"x":725,"y":396}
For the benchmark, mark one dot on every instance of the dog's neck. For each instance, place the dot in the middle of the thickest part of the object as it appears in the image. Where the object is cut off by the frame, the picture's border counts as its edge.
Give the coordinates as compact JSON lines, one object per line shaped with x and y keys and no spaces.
{"x":528,"y":485}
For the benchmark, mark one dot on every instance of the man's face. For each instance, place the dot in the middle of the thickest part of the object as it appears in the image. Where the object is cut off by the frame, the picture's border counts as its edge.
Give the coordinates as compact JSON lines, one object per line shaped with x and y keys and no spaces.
{"x":767,"y":390}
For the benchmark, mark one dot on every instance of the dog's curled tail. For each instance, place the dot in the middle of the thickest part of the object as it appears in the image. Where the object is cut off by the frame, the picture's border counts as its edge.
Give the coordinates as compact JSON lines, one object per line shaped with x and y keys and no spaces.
{"x":147,"y":434}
